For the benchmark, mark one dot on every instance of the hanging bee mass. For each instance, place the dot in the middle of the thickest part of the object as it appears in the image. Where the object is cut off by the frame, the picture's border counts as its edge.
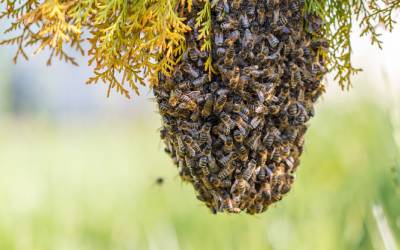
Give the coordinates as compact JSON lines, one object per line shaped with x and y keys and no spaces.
{"x":238,"y":136}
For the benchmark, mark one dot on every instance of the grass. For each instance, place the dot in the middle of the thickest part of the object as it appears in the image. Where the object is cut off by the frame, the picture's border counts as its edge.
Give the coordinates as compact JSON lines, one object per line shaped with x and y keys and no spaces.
{"x":78,"y":186}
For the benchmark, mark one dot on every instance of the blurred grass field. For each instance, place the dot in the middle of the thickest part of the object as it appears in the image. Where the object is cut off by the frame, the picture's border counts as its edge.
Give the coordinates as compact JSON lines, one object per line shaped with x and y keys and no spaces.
{"x":91,"y":185}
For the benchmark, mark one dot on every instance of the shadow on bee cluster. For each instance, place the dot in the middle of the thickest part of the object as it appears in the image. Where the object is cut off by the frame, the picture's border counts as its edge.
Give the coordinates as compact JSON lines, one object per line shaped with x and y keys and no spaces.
{"x":238,"y":137}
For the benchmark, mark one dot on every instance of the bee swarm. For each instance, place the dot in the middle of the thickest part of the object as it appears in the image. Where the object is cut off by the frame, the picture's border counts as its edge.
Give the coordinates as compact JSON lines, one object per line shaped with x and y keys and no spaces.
{"x":238,"y":138}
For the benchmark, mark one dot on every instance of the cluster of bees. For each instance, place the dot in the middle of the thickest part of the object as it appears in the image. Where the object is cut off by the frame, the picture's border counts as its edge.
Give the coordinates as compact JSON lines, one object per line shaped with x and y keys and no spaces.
{"x":238,"y":136}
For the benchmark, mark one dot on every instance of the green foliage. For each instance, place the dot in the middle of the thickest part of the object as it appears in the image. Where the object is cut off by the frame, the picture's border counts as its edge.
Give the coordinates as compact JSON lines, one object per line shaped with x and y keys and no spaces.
{"x":338,"y":15}
{"x":132,"y":41}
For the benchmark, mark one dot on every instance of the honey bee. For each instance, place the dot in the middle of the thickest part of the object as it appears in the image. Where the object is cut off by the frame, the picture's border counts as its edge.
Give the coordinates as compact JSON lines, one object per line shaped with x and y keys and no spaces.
{"x":226,"y":171}
{"x":181,"y":146}
{"x":200,"y":81}
{"x":240,"y":186}
{"x":261,"y":14}
{"x":249,"y":171}
{"x":232,"y":38}
{"x":219,"y":38}
{"x":227,"y":204}
{"x":204,"y":135}
{"x":220,"y":53}
{"x":276,"y":155}
{"x":222,"y":9}
{"x":231,"y":24}
{"x":242,"y":125}
{"x":272,"y":40}
{"x":188,"y":69}
{"x":238,"y":135}
{"x":255,"y":122}
{"x":263,"y":157}
{"x":293,"y":109}
{"x":234,"y":81}
{"x":208,"y":105}
{"x":254,"y":141}
{"x":229,"y":56}
{"x":228,"y":145}
{"x":203,"y":164}
{"x":244,"y":20}
{"x":220,"y":103}
{"x":266,"y":191}
{"x":226,"y":119}
{"x":243,"y":154}
{"x":268,"y":140}
{"x":236,"y":4}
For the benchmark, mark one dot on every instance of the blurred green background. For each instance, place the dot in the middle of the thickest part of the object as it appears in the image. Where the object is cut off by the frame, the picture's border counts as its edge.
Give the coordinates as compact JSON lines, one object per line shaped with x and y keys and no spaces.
{"x":78,"y":172}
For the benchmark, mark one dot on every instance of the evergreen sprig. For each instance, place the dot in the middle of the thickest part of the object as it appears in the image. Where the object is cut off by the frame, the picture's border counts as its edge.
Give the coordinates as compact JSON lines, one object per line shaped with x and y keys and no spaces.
{"x":132,"y":41}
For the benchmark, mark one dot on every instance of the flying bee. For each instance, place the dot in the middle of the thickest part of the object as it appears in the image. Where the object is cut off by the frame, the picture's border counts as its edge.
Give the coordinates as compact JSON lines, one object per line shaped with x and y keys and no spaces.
{"x":208,"y":105}
{"x":203,"y":165}
{"x":232,"y":38}
{"x":238,"y":135}
{"x":229,"y":56}
{"x":243,"y":154}
{"x":272,"y":40}
{"x":231,"y":24}
{"x":249,"y":171}
{"x":188,"y":69}
{"x":220,"y":103}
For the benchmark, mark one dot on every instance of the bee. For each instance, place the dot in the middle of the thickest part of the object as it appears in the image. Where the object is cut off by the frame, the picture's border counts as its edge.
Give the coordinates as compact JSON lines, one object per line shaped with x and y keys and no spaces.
{"x":249,"y":171}
{"x":226,"y":171}
{"x":294,"y":5}
{"x":261,"y":14}
{"x":220,"y":103}
{"x":263,"y":157}
{"x":200,"y":81}
{"x":159,"y":181}
{"x":164,"y":108}
{"x":203,"y":165}
{"x":234,"y":81}
{"x":226,"y":119}
{"x":268,"y":140}
{"x":227,"y":159}
{"x":192,"y":147}
{"x":229,"y":56}
{"x":208,"y":105}
{"x":193,"y":54}
{"x":284,"y":188}
{"x":238,"y":135}
{"x":228,"y":144}
{"x":276,"y":155}
{"x":242,"y":125}
{"x":244,"y":20}
{"x":206,"y":183}
{"x":272,"y":40}
{"x":240,"y":186}
{"x":232,"y":38}
{"x":255,"y":122}
{"x":181,"y":146}
{"x":265,"y":190}
{"x":236,"y":4}
{"x":188,"y":69}
{"x":231,"y":24}
{"x":290,"y":163}
{"x":285,"y":151}
{"x":293,"y":109}
{"x":204,"y":135}
{"x":219,"y":38}
{"x":227,"y":204}
{"x":174,"y":97}
{"x":282,"y":21}
{"x":274,"y":109}
{"x":221,"y":10}
{"x":221,"y":51}
{"x":243,"y":153}
{"x":254,"y":141}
